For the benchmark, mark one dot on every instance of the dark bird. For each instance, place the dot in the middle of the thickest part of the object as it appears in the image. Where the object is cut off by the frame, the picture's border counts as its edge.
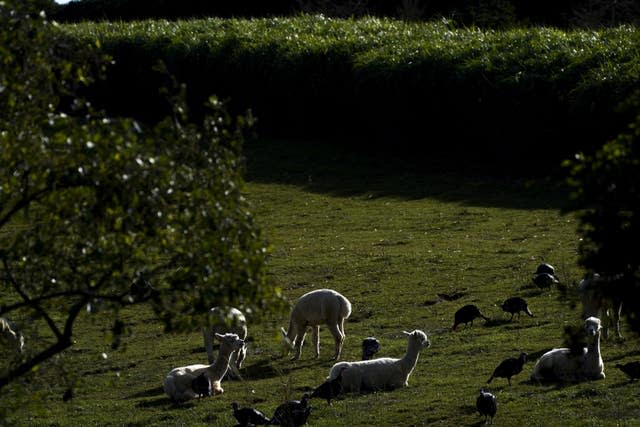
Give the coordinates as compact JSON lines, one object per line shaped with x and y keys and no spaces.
{"x":632,"y":369}
{"x":546,"y":268}
{"x":201,"y":385}
{"x":293,"y":413}
{"x":370,"y":346}
{"x":249,"y":416}
{"x":545,"y":280}
{"x":515,"y":305}
{"x":330,"y":389}
{"x":509,"y":367}
{"x":466,"y":314}
{"x":486,"y":405}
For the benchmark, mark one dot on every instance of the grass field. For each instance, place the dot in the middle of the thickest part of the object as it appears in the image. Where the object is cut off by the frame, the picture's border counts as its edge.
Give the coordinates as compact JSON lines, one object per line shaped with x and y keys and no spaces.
{"x":390,"y":239}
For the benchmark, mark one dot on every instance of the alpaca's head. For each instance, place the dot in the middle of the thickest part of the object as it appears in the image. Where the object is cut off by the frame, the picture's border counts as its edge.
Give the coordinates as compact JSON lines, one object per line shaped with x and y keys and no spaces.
{"x":286,"y":341}
{"x":418,"y":338}
{"x":592,"y":326}
{"x":231,"y":342}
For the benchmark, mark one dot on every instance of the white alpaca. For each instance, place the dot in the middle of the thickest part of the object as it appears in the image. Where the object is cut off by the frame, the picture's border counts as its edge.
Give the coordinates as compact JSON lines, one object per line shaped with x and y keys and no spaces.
{"x":229,"y":320}
{"x":10,"y":335}
{"x":313,"y":309}
{"x":178,"y":382}
{"x":382,"y":373}
{"x":596,"y":303}
{"x":561,"y":365}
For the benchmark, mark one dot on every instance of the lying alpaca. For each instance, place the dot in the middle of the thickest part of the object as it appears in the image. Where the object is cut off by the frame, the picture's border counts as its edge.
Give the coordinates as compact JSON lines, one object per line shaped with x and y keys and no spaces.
{"x":178,"y":383}
{"x":561,"y":365}
{"x":382,"y":373}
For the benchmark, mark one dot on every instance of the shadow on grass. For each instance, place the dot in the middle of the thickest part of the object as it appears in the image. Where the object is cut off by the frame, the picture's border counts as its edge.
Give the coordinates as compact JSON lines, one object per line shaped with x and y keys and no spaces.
{"x":329,"y":168}
{"x":265,"y":369}
{"x":156,"y":391}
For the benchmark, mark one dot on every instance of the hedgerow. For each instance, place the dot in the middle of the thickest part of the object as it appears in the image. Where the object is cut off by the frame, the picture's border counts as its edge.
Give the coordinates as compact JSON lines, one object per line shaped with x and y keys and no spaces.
{"x":510,"y":94}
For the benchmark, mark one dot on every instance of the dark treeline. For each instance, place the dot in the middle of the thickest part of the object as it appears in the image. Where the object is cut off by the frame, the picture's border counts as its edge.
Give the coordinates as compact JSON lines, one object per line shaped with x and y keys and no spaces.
{"x":484,"y":13}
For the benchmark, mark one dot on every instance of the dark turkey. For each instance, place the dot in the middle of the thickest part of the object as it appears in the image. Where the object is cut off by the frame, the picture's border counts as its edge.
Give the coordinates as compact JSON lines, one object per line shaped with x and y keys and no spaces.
{"x":370,"y":346}
{"x":486,"y":405}
{"x":330,"y":389}
{"x":546,"y":268}
{"x":515,"y":305}
{"x":509,"y":367}
{"x":293,"y":413}
{"x":632,"y":369}
{"x":545,"y":280}
{"x":249,"y":416}
{"x":201,"y":385}
{"x":466,"y":315}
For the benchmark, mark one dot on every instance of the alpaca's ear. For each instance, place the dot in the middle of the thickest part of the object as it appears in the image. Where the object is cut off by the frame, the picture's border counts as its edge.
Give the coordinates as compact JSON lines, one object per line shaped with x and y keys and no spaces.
{"x":406,"y":333}
{"x":283,"y":332}
{"x":219,"y":336}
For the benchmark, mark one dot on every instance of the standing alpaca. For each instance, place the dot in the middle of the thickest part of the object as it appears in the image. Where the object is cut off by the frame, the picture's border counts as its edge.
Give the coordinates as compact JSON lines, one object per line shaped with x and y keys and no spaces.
{"x":178,"y":383}
{"x":382,"y":373}
{"x":229,"y":320}
{"x":312,"y":309}
{"x":561,"y":365}
{"x":596,"y":303}
{"x":10,"y":335}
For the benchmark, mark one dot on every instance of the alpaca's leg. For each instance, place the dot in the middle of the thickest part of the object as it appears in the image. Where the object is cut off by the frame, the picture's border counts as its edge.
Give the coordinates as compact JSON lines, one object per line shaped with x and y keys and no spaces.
{"x":316,"y":339}
{"x":338,"y":336}
{"x":298,"y":345}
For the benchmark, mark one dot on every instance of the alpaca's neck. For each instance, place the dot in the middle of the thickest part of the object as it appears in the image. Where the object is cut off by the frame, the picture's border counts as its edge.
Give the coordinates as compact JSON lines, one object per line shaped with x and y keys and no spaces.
{"x":219,"y":367}
{"x":593,"y":349}
{"x":409,"y":360}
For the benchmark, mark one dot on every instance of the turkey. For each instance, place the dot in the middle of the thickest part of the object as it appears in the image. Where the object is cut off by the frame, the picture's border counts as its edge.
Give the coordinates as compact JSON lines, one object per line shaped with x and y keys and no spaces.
{"x":293,"y":413}
{"x":466,"y":314}
{"x":515,"y":305}
{"x":330,"y":389}
{"x":509,"y":367}
{"x":370,"y":346}
{"x":546,"y":268}
{"x":545,"y":280}
{"x":486,"y":405}
{"x":248,"y":416}
{"x":632,"y":369}
{"x":201,"y":385}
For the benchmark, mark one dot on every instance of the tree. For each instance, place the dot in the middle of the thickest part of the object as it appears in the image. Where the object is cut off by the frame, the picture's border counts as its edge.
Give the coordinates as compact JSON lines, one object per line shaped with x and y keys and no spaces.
{"x":606,"y":190}
{"x":99,"y":213}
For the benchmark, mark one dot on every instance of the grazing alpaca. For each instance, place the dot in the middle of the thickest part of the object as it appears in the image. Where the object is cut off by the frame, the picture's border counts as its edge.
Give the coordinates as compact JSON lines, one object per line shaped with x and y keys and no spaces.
{"x":313,"y":309}
{"x":370,"y":346}
{"x":486,"y":405}
{"x":232,"y":321}
{"x":515,"y":305}
{"x":509,"y":367}
{"x":178,"y":383}
{"x":561,"y":365}
{"x":596,"y":303}
{"x":10,"y":335}
{"x":382,"y":373}
{"x":466,"y":315}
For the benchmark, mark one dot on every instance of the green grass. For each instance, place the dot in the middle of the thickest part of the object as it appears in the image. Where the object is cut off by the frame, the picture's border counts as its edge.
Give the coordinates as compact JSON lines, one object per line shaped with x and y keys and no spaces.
{"x":389,"y":239}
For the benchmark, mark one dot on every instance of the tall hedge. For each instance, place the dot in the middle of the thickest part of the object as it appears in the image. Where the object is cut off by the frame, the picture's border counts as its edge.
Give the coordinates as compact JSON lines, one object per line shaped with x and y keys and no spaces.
{"x":536,"y":94}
